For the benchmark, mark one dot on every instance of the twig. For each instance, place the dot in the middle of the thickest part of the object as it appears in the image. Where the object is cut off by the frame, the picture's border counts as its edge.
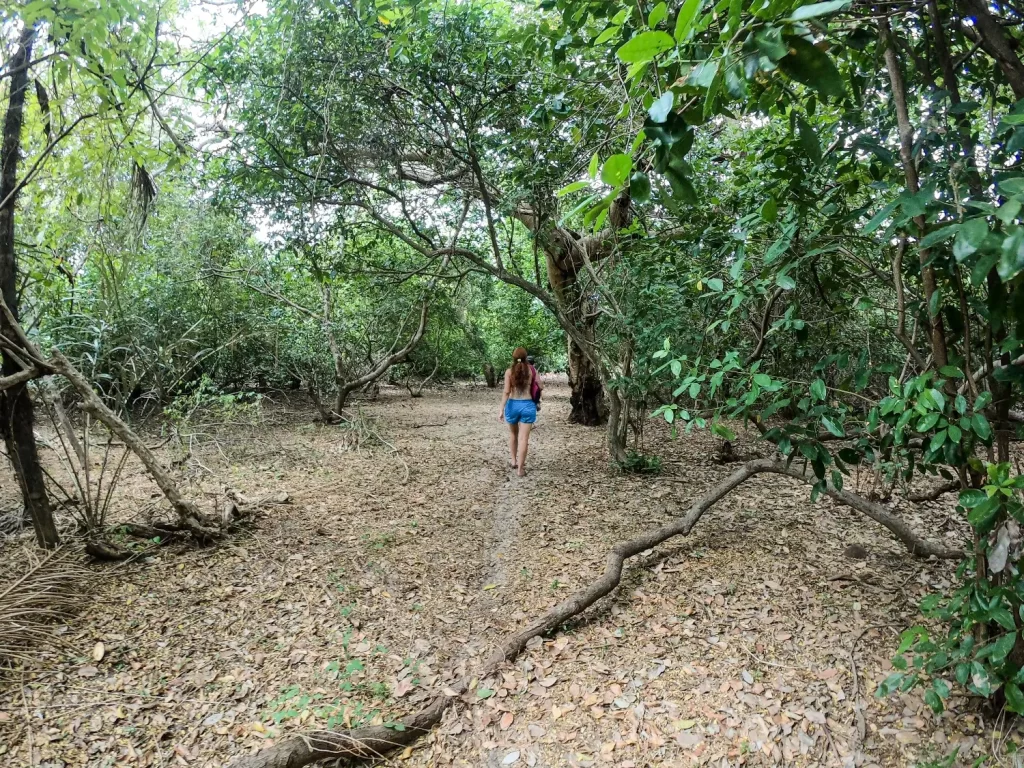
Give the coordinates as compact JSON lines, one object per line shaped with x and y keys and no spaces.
{"x":442,"y":424}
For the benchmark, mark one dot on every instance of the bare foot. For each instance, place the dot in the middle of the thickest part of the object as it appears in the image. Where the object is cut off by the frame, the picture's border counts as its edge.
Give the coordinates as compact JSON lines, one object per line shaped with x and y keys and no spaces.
{"x":513,"y":465}
{"x":522,"y":472}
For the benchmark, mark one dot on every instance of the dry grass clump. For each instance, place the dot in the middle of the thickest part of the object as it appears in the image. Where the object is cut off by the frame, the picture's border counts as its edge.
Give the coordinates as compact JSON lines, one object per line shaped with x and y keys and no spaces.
{"x":49,"y":591}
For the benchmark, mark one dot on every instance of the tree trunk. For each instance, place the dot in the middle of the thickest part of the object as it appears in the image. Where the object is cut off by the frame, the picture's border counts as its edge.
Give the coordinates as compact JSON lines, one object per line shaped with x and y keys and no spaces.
{"x":489,"y":376}
{"x":16,"y":416}
{"x":618,"y":423}
{"x":906,"y":131}
{"x":587,"y":398}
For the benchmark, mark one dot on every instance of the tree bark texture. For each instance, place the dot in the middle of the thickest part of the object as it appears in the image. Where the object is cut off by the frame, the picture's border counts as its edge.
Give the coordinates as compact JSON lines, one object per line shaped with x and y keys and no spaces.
{"x":16,"y":413}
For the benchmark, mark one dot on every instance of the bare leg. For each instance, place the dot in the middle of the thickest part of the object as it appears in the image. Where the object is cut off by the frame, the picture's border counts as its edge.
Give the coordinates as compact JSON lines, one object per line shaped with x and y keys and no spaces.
{"x":513,"y":444}
{"x":524,"y":445}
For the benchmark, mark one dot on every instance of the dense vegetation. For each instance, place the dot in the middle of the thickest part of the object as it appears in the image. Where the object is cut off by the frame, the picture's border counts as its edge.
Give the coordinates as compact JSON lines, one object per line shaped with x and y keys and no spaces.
{"x":804,"y":216}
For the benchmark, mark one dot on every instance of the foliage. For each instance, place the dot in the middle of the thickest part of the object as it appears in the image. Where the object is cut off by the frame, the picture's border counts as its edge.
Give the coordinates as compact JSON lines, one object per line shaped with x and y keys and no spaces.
{"x":641,"y":464}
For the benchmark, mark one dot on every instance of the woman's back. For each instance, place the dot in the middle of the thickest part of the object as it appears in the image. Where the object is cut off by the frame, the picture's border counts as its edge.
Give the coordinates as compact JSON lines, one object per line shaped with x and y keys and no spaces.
{"x":516,"y":390}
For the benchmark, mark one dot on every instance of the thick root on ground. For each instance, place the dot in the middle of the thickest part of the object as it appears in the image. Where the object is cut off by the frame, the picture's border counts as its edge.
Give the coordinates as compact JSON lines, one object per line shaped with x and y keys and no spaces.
{"x":375,"y":742}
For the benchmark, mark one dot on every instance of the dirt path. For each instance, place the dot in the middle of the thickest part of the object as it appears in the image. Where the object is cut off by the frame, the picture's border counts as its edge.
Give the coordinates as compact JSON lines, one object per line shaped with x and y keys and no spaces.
{"x":353,"y":601}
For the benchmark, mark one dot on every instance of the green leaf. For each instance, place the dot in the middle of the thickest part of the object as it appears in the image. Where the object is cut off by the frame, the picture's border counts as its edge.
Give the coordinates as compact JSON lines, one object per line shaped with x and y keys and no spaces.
{"x":484,"y":693}
{"x":969,"y":238}
{"x":762,"y":379}
{"x":660,"y":109}
{"x":927,"y":422}
{"x":568,"y":189}
{"x":983,"y":514}
{"x":811,"y":66}
{"x":645,"y":47}
{"x":817,"y":9}
{"x":616,"y":170}
{"x":607,"y":35}
{"x":1014,"y":699}
{"x":785,"y":282}
{"x":981,"y":426}
{"x":832,"y":427}
{"x":982,"y":267}
{"x":657,"y":15}
{"x":1009,"y":210}
{"x":769,"y":210}
{"x":890,"y":684}
{"x":595,"y":163}
{"x":940,"y":235}
{"x":768,"y":40}
{"x":640,"y":187}
{"x":818,"y":389}
{"x":687,"y":15}
{"x":809,"y":140}
{"x":971,"y":498}
{"x":1012,"y":186}
{"x":715,"y":284}
{"x":878,"y":218}
{"x":931,"y":698}
{"x":998,"y":651}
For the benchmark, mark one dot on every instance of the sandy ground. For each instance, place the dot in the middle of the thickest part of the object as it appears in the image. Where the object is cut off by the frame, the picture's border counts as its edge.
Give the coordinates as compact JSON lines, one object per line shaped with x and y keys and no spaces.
{"x":390,"y":573}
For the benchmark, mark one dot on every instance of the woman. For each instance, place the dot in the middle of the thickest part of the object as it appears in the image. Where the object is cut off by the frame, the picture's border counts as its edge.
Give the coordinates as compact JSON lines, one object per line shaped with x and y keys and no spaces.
{"x":518,"y":409}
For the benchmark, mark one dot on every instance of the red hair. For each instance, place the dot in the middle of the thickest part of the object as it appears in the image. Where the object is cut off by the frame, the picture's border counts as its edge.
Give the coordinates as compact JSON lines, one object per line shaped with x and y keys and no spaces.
{"x":520,"y":370}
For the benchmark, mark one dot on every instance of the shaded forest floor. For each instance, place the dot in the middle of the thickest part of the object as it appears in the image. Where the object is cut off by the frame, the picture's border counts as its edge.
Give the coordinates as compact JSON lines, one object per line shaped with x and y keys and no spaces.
{"x":366,"y":590}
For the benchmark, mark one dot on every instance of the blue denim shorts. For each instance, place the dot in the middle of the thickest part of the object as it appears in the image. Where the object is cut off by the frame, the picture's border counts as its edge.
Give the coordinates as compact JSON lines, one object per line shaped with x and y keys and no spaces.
{"x":520,"y":411}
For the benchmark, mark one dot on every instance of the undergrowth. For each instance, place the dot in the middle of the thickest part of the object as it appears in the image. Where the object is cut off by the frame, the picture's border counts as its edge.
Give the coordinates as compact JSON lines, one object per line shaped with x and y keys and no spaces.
{"x":640,"y":464}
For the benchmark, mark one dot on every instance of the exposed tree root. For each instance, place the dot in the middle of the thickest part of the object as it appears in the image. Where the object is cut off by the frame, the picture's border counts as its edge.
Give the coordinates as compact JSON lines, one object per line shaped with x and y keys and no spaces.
{"x":915,"y":545}
{"x":107,"y":551}
{"x":376,"y":741}
{"x":935,"y":493}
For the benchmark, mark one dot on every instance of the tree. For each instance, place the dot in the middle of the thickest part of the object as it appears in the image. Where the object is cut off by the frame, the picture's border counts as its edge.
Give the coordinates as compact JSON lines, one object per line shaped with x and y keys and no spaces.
{"x":16,"y":418}
{"x":438,"y":139}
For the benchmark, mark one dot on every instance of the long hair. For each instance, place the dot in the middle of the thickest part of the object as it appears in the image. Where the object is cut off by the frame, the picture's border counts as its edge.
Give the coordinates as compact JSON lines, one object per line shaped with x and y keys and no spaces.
{"x":520,"y":370}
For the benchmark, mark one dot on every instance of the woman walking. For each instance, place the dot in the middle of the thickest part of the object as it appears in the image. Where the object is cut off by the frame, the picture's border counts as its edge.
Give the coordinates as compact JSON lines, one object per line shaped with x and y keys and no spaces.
{"x":518,"y":409}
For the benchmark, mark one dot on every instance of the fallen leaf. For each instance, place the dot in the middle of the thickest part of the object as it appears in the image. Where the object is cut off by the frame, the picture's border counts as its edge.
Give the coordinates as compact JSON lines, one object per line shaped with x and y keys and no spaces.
{"x":88,"y":671}
{"x":506,"y":721}
{"x":510,"y":758}
{"x":98,"y":652}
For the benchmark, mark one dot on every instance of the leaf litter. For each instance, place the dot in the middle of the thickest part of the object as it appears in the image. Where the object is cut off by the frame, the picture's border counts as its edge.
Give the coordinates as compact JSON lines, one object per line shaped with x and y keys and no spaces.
{"x":364,"y":594}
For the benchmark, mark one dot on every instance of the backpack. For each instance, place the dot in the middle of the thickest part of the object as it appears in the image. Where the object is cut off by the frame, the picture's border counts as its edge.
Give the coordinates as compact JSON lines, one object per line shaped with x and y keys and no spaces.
{"x":534,"y":386}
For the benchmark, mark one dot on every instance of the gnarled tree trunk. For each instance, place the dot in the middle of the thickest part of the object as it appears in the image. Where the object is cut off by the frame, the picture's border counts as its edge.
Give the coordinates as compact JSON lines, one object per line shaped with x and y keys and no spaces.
{"x":571,"y":274}
{"x":16,"y":415}
{"x":587,"y":397}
